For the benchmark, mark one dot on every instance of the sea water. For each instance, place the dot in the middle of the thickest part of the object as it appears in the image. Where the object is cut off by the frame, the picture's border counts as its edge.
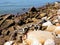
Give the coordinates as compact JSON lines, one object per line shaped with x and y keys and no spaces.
{"x":20,"y":6}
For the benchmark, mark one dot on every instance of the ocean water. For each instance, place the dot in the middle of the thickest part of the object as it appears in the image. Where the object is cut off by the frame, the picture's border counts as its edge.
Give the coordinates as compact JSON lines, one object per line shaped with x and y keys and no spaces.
{"x":15,"y":6}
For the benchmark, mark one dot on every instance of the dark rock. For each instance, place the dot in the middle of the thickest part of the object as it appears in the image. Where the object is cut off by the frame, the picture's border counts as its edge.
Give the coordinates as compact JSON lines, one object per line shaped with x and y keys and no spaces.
{"x":0,"y":32}
{"x":33,"y":9}
{"x":21,"y":22}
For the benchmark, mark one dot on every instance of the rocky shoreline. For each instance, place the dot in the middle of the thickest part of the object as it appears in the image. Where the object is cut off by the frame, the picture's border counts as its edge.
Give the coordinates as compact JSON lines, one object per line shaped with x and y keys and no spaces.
{"x":13,"y":26}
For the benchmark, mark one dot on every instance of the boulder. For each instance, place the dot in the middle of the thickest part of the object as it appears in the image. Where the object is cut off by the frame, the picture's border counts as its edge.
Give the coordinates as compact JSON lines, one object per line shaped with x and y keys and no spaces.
{"x":49,"y":42}
{"x":8,"y":43}
{"x":33,"y":9}
{"x":43,"y":14}
{"x":7,"y":23}
{"x":40,"y":36}
{"x":48,"y":23}
{"x":4,"y":18}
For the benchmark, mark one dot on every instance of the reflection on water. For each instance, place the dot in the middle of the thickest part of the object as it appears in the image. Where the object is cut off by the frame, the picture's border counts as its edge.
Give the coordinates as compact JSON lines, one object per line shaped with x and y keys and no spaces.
{"x":14,"y":6}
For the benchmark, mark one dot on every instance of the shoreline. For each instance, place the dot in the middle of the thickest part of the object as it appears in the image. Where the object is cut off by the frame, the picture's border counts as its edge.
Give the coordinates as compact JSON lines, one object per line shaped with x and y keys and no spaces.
{"x":35,"y":19}
{"x":22,"y":10}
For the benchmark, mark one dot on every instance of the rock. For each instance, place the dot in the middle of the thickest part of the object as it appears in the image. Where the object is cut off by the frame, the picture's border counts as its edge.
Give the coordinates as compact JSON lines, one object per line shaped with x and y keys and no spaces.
{"x":35,"y":20}
{"x":44,"y":18}
{"x":7,"y":23}
{"x":51,"y":28}
{"x":56,"y":4}
{"x":1,"y":18}
{"x":36,"y":43}
{"x":43,"y":14}
{"x":29,"y":20}
{"x":17,"y":27}
{"x":58,"y":12}
{"x":33,"y":9}
{"x":57,"y":24}
{"x":44,"y":28}
{"x":55,"y":21}
{"x":49,"y":42}
{"x":6,"y":38}
{"x":9,"y":31}
{"x":57,"y":30}
{"x":4,"y":18}
{"x":9,"y":43}
{"x":3,"y":32}
{"x":2,"y":41}
{"x":43,"y":36}
{"x":17,"y":20}
{"x":48,"y":23}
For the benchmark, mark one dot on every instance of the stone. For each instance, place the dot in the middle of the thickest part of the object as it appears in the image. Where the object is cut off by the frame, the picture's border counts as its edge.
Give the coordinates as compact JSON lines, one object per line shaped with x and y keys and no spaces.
{"x":7,"y":23}
{"x":51,"y":28}
{"x":58,"y":12}
{"x":49,"y":42}
{"x":57,"y":30}
{"x":48,"y":23}
{"x":42,"y":14}
{"x":4,"y":18}
{"x":57,"y":24}
{"x":8,"y":43}
{"x":33,"y":9}
{"x":43,"y":36}
{"x":29,"y":20}
{"x":16,"y":20}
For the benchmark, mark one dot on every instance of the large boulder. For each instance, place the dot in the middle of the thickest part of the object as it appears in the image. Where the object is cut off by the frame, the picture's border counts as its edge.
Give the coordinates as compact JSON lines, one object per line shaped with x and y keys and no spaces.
{"x":40,"y":36}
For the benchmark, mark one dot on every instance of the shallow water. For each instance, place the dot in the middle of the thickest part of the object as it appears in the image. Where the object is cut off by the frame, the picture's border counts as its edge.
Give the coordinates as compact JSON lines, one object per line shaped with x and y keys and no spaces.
{"x":14,"y":6}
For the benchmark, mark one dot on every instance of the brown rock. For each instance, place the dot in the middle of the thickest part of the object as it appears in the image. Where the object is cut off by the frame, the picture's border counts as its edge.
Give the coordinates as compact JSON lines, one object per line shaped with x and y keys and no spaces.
{"x":6,"y":38}
{"x":17,"y":20}
{"x":9,"y":31}
{"x":57,"y":24}
{"x":43,"y":14}
{"x":29,"y":20}
{"x":7,"y":23}
{"x":4,"y":18}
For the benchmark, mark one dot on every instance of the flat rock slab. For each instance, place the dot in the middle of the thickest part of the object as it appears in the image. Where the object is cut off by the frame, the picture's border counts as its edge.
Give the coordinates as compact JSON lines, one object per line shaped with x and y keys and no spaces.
{"x":7,"y":23}
{"x":4,"y":18}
